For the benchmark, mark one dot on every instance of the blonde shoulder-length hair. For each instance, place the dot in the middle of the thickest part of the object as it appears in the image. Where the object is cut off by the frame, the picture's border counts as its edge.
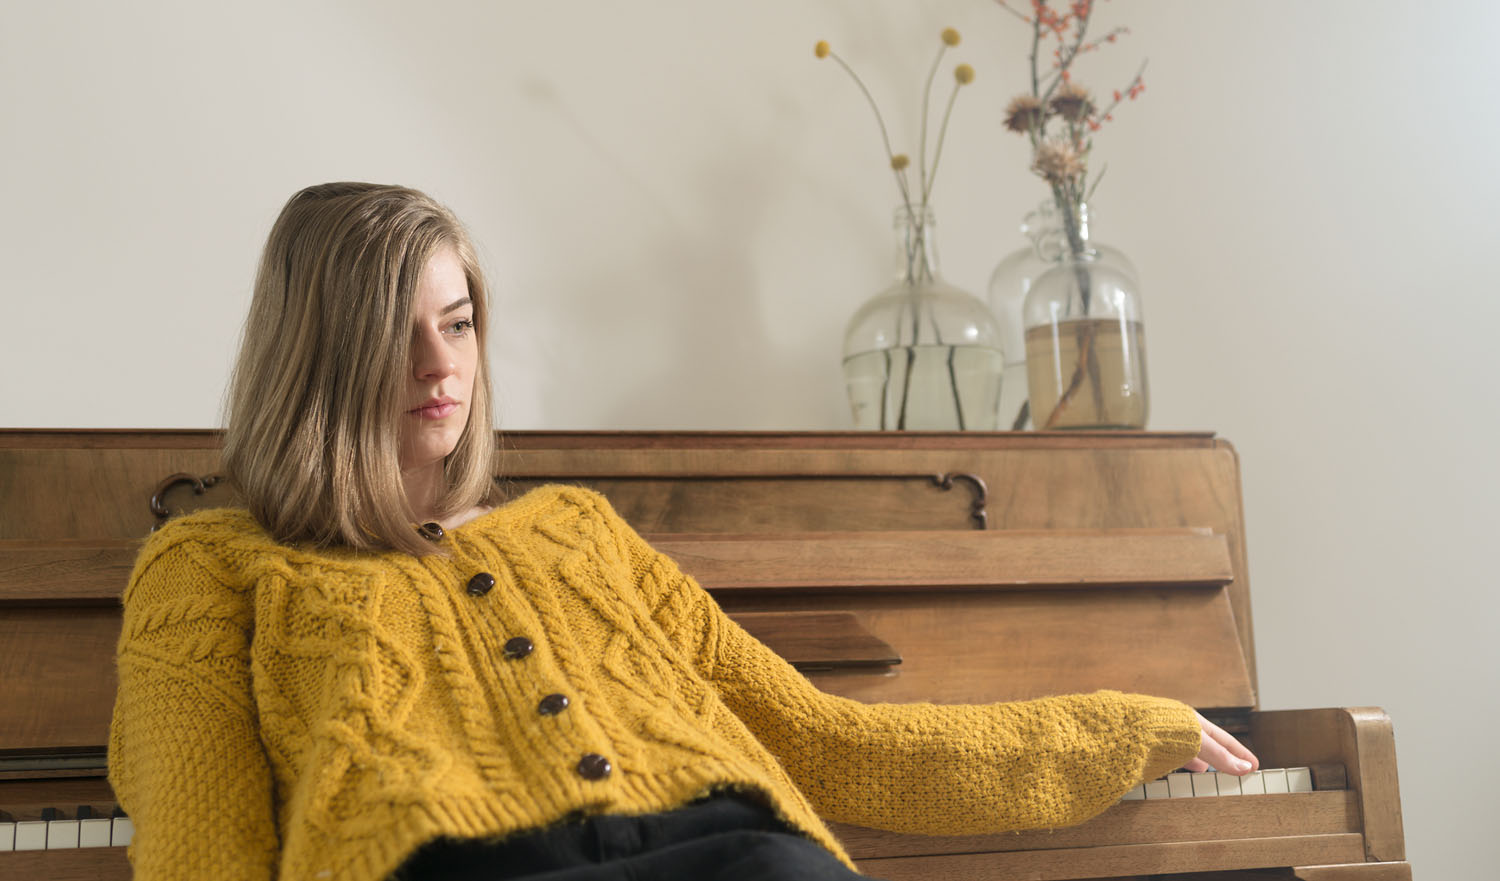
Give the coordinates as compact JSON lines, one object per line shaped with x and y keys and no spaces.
{"x":314,"y":402}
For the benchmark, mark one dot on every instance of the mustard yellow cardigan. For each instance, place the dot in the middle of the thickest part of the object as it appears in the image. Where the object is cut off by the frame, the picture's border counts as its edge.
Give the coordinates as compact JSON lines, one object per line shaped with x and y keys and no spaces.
{"x":319,"y":714}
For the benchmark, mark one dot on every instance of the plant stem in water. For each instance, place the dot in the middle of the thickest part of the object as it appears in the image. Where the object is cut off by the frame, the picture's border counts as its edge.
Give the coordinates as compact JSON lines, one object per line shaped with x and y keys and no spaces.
{"x":1088,"y":358}
{"x":1021,"y":416}
{"x":958,"y":404}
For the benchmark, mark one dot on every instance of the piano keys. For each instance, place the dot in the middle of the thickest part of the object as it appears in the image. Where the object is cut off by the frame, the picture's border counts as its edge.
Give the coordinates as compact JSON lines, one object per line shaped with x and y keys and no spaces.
{"x":1267,"y":781}
{"x":58,"y":829}
{"x":886,"y":566}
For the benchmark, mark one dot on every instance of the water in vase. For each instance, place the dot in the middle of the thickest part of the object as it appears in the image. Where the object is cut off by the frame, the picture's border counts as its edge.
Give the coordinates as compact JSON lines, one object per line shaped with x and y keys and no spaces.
{"x":1087,"y":373}
{"x":925,"y":388}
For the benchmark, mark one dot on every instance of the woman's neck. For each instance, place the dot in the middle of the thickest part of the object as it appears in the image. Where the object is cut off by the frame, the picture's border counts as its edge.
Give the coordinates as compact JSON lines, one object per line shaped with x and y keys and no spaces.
{"x":424,"y":486}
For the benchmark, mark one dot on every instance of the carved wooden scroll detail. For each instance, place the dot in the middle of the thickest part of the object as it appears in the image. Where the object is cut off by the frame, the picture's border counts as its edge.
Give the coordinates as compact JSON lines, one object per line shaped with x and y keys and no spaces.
{"x":200,"y":485}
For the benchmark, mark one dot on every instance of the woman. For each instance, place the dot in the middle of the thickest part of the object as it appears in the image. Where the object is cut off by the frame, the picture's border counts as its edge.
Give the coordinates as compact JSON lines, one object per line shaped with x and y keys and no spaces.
{"x":319,"y":687}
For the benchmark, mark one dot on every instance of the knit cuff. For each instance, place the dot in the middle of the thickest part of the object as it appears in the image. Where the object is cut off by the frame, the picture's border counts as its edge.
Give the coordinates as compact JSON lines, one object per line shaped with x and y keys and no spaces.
{"x":1174,"y":728}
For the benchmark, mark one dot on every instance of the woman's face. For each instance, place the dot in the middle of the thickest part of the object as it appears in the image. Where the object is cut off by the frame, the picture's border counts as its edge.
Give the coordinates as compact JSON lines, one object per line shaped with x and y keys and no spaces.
{"x":444,"y":354}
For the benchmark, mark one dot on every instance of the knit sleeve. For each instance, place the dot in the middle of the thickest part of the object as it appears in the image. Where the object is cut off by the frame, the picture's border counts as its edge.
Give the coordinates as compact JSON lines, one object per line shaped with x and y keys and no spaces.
{"x":922,"y":767}
{"x":185,"y":757}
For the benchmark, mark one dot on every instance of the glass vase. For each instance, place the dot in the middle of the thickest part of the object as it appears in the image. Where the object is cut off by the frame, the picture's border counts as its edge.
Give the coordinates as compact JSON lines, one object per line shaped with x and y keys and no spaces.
{"x":1085,"y":347}
{"x":923,"y":354}
{"x":1012,"y":280}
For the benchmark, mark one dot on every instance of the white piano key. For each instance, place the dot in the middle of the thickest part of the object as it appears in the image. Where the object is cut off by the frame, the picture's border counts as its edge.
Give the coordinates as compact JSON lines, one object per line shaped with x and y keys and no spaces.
{"x":1275,"y":780}
{"x":62,"y":834}
{"x":1157,"y":789}
{"x":94,"y":832}
{"x":1228,"y":783}
{"x":1204,"y":785}
{"x":1136,"y":794}
{"x":31,"y":835}
{"x":1180,"y":785}
{"x":122,"y":831}
{"x":1299,"y":780}
{"x":7,"y":836}
{"x":1252,"y":784}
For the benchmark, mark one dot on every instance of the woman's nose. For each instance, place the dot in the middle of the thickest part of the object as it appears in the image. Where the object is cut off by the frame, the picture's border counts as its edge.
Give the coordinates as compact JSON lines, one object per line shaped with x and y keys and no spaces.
{"x":430,"y":358}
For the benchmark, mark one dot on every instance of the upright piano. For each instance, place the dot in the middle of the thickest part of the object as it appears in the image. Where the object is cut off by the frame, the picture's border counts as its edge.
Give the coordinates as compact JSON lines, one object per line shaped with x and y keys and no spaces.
{"x":950,"y":567}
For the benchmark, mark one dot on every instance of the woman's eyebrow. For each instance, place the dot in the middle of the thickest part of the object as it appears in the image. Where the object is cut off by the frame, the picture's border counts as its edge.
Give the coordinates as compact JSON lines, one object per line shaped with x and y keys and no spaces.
{"x":456,"y":304}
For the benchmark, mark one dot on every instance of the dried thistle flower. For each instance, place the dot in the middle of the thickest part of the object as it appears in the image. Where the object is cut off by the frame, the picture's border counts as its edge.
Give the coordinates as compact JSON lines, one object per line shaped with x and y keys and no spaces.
{"x":1058,"y":114}
{"x":900,"y":161}
{"x":1058,"y":162}
{"x":964,"y":74}
{"x":821,"y":49}
{"x":950,"y":36}
{"x":1072,"y":102}
{"x":1023,"y":114}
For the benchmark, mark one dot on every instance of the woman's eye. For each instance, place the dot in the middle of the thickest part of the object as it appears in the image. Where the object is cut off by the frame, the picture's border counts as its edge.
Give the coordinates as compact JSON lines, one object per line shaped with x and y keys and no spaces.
{"x":461,"y":327}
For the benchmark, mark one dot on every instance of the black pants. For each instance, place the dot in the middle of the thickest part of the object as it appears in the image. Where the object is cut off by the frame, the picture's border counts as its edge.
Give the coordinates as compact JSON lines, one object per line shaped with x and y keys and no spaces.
{"x":721,"y":838}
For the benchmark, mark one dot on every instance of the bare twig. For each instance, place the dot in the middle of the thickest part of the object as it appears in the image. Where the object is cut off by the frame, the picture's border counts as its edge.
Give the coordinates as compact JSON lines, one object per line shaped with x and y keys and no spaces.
{"x":937,"y":155}
{"x":879,"y":120}
{"x":1098,"y":177}
{"x":1036,"y":41}
{"x":922,"y":146}
{"x":1006,"y":7}
{"x":1125,"y":93}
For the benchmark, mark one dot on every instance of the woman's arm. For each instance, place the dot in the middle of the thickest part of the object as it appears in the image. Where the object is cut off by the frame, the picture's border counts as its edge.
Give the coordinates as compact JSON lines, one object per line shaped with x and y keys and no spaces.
{"x":185,"y":755}
{"x":935,"y":769}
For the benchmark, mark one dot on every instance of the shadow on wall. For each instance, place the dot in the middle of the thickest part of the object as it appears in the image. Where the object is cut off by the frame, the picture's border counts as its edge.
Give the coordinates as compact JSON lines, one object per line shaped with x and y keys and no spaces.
{"x":704,"y":323}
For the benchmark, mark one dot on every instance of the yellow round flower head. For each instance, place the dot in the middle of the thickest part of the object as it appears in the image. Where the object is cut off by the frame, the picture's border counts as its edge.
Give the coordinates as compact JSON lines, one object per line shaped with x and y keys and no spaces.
{"x":964,"y":74}
{"x":900,"y":161}
{"x":950,"y":36}
{"x":821,"y":49}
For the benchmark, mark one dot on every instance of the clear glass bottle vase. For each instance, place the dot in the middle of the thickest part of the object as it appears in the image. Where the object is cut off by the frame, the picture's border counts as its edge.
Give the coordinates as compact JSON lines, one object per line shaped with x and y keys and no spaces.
{"x":1086,"y":347}
{"x":1011,"y":281}
{"x":923,"y":354}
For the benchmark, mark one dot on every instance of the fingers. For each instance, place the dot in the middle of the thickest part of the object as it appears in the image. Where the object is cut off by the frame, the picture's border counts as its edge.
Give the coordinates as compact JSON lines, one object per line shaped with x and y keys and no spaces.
{"x":1221,"y":750}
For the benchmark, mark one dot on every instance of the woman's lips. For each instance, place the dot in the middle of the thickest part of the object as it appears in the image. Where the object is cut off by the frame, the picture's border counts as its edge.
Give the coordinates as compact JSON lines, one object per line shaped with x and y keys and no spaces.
{"x":434,"y":411}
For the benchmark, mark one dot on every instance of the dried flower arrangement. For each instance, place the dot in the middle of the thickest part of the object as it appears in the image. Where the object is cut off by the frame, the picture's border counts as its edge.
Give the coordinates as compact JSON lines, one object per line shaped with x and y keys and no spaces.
{"x":914,"y":200}
{"x":1058,"y":115}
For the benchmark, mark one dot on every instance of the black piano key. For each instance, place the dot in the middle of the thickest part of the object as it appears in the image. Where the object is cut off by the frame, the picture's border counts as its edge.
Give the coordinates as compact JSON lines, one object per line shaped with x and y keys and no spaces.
{"x":116,"y":813}
{"x":50,"y":814}
{"x":85,"y":812}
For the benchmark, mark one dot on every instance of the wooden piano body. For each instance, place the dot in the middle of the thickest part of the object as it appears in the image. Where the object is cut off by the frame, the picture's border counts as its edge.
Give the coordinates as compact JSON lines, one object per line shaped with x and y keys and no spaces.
{"x":888,"y":567}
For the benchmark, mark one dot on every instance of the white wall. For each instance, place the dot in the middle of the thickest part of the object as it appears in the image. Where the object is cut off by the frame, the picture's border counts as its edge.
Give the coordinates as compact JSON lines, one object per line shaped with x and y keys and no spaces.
{"x":680,"y":207}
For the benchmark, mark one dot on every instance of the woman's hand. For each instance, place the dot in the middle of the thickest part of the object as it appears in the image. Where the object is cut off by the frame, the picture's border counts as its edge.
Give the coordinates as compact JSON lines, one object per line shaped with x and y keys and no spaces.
{"x":1222,"y":751}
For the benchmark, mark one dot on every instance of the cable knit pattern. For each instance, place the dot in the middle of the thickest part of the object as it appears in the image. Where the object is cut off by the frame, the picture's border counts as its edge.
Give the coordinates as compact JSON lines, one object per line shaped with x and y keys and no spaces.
{"x":293,"y":714}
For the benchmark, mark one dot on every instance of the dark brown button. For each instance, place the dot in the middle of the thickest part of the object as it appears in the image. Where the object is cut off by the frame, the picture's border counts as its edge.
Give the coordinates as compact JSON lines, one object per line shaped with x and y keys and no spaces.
{"x":594,"y":767}
{"x":480,"y":584}
{"x":518,"y":647}
{"x":552,"y":704}
{"x":432,"y":531}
